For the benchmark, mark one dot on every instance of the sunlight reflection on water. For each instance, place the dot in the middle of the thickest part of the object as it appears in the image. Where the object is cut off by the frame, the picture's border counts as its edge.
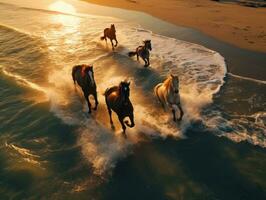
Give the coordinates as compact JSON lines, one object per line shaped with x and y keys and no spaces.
{"x":61,"y":6}
{"x":66,"y":31}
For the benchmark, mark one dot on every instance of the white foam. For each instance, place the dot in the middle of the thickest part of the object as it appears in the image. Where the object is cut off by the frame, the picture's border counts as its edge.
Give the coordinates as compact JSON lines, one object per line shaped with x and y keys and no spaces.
{"x":247,"y":78}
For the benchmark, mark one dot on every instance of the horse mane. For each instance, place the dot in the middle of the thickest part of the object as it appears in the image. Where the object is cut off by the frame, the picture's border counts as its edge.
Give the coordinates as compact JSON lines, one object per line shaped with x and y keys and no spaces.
{"x":84,"y":68}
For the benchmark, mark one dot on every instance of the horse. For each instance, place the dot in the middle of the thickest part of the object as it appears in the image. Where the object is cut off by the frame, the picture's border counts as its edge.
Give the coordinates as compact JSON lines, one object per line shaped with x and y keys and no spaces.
{"x":168,"y":95}
{"x":117,"y":99}
{"x":84,"y":76}
{"x":110,"y":33}
{"x":143,"y":52}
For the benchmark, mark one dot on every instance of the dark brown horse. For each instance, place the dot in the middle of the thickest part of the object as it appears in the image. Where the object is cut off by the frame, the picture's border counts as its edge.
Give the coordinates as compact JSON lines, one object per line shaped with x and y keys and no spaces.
{"x":110,"y":33}
{"x":143,"y":52}
{"x":83,"y":74}
{"x":117,"y":99}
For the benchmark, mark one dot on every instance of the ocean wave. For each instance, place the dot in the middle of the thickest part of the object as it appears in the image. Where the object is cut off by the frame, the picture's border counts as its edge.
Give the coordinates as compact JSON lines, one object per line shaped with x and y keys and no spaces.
{"x":23,"y":81}
{"x":239,"y":128}
{"x":24,"y":154}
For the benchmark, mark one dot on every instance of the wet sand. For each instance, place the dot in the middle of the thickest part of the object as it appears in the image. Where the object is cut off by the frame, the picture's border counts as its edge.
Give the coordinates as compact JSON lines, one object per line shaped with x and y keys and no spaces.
{"x":239,"y":25}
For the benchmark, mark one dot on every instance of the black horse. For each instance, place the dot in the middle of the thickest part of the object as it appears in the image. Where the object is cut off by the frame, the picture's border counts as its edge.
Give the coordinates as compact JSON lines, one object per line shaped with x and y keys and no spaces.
{"x":83,"y":74}
{"x":143,"y":52}
{"x":117,"y":99}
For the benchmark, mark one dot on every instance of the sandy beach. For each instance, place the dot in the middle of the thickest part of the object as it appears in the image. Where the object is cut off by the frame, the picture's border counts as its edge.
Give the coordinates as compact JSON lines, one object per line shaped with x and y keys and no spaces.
{"x":236,"y":24}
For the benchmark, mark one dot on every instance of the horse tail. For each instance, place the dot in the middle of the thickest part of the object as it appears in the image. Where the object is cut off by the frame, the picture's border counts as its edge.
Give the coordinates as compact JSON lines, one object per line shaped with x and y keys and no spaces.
{"x":105,"y":92}
{"x":132,"y":53}
{"x":74,"y":69}
{"x":156,"y":92}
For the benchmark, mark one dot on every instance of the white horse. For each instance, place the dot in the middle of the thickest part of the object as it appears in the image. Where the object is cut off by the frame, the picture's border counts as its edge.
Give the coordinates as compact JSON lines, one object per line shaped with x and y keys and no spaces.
{"x":168,"y":95}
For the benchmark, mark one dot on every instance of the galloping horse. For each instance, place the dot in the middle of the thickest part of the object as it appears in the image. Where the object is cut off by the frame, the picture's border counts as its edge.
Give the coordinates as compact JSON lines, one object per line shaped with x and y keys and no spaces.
{"x":143,"y":52}
{"x":110,"y":33}
{"x":117,"y":99}
{"x":83,"y":74}
{"x":168,"y":95}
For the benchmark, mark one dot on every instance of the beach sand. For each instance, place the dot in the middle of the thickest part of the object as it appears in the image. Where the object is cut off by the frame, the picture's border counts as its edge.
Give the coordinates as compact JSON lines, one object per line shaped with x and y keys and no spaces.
{"x":239,"y":25}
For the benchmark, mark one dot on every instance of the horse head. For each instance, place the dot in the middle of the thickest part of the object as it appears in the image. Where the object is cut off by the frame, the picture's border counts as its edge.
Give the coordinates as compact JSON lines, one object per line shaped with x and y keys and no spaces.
{"x":90,"y":73}
{"x":147,"y":44}
{"x":113,"y":28}
{"x":175,"y":83}
{"x":124,"y":90}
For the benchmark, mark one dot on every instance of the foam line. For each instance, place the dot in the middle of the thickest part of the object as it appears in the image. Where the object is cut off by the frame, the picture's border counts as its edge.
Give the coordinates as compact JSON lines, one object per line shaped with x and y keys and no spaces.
{"x":247,"y":78}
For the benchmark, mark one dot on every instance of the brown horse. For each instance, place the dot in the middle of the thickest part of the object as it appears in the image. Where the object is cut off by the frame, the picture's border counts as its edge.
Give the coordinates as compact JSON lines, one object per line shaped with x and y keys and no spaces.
{"x":83,"y":74}
{"x":143,"y":52}
{"x":110,"y":33}
{"x":117,"y":99}
{"x":168,"y":95}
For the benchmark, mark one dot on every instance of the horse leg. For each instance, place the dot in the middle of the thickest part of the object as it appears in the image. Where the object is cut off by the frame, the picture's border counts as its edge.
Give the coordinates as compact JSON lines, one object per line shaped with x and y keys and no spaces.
{"x":181,"y":112}
{"x":116,"y":42}
{"x":137,"y":56}
{"x":174,"y":117}
{"x":110,"y":116}
{"x":112,"y":44}
{"x":148,"y":59}
{"x":96,"y":100}
{"x":86,"y":95}
{"x":122,"y":124}
{"x":131,"y":117}
{"x":132,"y":124}
{"x":144,"y":61}
{"x":164,"y":105}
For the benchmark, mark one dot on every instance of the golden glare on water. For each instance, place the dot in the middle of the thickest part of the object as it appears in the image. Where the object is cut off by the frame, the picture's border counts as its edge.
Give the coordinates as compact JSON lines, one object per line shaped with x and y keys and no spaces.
{"x":66,"y":28}
{"x":61,"y":6}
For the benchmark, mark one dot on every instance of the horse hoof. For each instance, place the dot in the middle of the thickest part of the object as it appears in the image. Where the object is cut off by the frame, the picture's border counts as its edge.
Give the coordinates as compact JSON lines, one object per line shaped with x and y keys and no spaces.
{"x":112,"y":127}
{"x":124,"y":134}
{"x":89,"y":112}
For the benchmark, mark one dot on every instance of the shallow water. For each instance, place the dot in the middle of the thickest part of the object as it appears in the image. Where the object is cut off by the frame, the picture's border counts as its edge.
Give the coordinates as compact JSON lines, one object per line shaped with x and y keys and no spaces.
{"x":48,"y":138}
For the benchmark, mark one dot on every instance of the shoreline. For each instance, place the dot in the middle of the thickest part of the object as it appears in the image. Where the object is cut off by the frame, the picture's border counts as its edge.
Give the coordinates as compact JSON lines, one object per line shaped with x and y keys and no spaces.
{"x":238,"y":25}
